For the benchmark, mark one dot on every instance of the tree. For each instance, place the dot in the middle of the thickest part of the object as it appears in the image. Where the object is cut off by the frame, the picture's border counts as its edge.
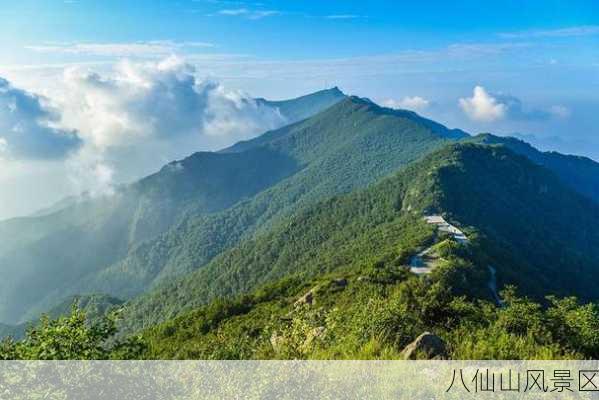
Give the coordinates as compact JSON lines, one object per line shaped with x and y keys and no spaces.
{"x":71,"y":337}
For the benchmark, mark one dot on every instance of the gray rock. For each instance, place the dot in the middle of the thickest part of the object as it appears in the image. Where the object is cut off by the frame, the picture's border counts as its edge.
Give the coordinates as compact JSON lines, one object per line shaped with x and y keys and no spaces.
{"x":306,"y":299}
{"x":428,"y":346}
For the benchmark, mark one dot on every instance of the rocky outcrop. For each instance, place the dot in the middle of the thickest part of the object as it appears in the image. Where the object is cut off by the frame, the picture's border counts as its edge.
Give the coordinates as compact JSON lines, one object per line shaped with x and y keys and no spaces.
{"x":426,"y":346}
{"x":306,"y":299}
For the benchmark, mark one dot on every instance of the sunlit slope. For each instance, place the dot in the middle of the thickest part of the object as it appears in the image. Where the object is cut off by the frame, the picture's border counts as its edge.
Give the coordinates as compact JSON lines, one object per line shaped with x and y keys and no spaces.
{"x":521,"y":219}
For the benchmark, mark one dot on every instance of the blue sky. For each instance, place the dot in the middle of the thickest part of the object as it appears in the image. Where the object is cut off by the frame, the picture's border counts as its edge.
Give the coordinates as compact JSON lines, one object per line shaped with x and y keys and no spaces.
{"x":290,"y":29}
{"x":83,"y":68}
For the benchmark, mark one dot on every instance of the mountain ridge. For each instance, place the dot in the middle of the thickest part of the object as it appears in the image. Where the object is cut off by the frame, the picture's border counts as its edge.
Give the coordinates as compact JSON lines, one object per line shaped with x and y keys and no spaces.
{"x":458,"y":181}
{"x":38,"y":269}
{"x":377,"y":140}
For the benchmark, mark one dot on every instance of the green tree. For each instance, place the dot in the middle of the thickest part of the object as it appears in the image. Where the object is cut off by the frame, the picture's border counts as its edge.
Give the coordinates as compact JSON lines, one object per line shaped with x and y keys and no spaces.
{"x":71,"y":337}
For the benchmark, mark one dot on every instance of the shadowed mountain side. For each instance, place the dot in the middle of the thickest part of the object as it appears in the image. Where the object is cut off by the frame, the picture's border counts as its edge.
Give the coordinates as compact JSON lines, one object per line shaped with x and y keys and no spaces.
{"x":84,"y":239}
{"x":581,"y":173}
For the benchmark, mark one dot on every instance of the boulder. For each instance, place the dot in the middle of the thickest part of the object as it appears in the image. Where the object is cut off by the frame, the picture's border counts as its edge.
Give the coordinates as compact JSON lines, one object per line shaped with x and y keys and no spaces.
{"x":306,"y":299}
{"x":428,"y":346}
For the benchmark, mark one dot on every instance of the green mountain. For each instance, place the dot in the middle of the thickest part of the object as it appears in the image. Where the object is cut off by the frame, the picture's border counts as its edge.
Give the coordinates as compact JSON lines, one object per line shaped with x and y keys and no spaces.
{"x":306,"y":242}
{"x":337,"y":273}
{"x":64,"y":250}
{"x":581,"y":173}
{"x":164,"y":230}
{"x":488,"y":191}
{"x":348,"y":146}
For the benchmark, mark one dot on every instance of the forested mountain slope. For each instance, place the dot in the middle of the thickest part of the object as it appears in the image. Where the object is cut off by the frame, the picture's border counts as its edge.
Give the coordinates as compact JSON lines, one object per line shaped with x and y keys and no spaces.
{"x":71,"y":244}
{"x":581,"y":173}
{"x":348,"y":146}
{"x":487,"y":190}
{"x":61,"y":250}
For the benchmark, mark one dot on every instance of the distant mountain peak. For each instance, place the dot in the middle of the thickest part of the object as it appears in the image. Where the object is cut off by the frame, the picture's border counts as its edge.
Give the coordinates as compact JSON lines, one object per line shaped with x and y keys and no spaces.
{"x":334,"y":89}
{"x":306,"y":106}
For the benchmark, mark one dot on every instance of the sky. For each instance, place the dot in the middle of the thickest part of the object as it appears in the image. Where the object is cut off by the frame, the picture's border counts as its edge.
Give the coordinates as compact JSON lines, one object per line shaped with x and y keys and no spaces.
{"x":94,"y":94}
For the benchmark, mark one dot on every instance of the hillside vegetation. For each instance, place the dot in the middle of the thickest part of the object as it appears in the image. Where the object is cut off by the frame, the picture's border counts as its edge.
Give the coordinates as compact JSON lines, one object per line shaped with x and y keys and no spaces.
{"x":340,"y":288}
{"x":488,"y":190}
{"x":46,"y":256}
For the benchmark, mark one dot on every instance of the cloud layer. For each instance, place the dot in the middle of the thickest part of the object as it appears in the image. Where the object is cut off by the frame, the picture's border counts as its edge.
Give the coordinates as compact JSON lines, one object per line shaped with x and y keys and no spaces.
{"x":116,"y":127}
{"x":124,"y":49}
{"x":163,"y":101}
{"x":247,"y":13}
{"x":28,"y":127}
{"x":415,"y":103}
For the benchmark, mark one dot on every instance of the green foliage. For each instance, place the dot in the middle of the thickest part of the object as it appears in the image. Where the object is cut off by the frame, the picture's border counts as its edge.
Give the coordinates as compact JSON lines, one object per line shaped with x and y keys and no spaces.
{"x":580,"y":173}
{"x":367,"y":236}
{"x":371,"y":319}
{"x":95,"y":307}
{"x":574,"y":326}
{"x":71,"y":337}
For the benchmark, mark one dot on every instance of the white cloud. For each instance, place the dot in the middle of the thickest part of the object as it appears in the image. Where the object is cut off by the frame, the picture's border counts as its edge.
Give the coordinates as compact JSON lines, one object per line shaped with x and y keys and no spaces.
{"x":155,"y":48}
{"x":145,"y":101}
{"x":245,"y":12}
{"x":264,"y":13}
{"x":583,"y":30}
{"x":482,"y":106}
{"x":415,"y":103}
{"x":130,"y":121}
{"x":236,"y":11}
{"x":28,"y":127}
{"x":488,"y":107}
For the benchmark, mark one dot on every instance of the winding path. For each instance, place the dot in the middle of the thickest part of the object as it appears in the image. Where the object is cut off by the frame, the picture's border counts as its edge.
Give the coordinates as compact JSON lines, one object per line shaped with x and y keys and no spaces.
{"x":418,"y":263}
{"x":421,"y":265}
